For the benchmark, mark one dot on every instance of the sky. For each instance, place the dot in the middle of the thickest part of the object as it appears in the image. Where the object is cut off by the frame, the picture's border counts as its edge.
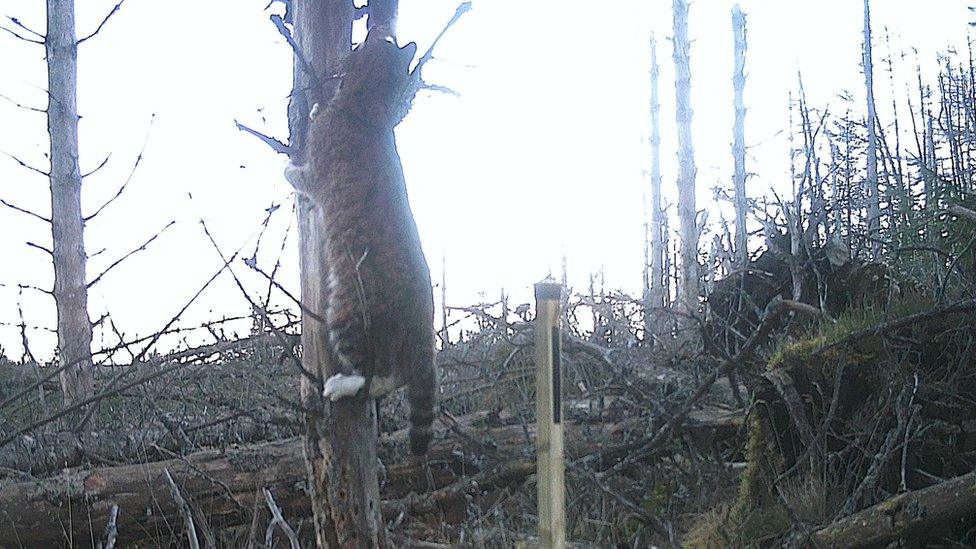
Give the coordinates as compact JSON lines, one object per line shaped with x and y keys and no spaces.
{"x":542,"y":155}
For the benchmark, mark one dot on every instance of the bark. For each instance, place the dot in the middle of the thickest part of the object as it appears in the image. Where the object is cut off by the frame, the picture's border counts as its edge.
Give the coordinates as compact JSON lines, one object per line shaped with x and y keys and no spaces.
{"x":341,"y":468}
{"x":912,"y":516}
{"x":687,"y":209}
{"x":656,"y":275}
{"x":738,"y":136}
{"x":70,"y":286}
{"x":874,"y":202}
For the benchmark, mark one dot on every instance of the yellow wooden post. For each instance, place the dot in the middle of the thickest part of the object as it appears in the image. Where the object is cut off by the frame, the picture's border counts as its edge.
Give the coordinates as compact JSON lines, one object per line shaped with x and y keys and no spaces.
{"x":549,"y":417}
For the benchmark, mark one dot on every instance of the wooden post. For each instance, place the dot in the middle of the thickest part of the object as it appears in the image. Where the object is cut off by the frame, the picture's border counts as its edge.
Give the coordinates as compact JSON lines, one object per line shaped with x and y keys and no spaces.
{"x":549,"y":416}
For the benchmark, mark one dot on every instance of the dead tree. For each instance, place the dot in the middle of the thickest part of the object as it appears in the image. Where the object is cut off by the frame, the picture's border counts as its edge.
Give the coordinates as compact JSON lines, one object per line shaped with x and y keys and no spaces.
{"x":738,"y":136}
{"x":687,"y":209}
{"x":874,"y":202}
{"x":656,"y":276}
{"x":347,"y":516}
{"x":67,"y":222}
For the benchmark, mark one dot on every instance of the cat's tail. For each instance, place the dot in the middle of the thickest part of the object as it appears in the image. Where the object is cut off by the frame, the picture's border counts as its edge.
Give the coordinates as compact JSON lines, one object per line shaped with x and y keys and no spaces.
{"x":422,"y":394}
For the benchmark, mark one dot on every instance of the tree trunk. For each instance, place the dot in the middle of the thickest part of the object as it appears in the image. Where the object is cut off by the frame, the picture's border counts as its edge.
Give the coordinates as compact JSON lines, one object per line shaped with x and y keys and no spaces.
{"x":738,"y":136}
{"x":70,"y":286}
{"x":656,"y":275}
{"x":874,"y":202}
{"x":687,"y":209}
{"x":341,"y":468}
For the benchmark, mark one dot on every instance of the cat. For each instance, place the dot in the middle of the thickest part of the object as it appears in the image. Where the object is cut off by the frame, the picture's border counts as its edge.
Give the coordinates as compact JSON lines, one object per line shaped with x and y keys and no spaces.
{"x":379,"y":301}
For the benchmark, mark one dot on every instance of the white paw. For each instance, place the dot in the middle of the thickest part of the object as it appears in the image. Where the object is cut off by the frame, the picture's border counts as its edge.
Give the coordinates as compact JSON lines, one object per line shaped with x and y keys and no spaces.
{"x":341,"y":385}
{"x":296,"y":175}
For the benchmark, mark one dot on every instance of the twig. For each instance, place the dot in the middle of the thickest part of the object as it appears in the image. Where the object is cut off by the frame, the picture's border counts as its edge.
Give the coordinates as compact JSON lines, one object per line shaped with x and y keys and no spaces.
{"x":112,"y":528}
{"x":276,"y":146}
{"x":277,"y":519}
{"x":17,"y":22}
{"x":429,"y":54}
{"x":128,"y":178}
{"x":105,"y":20}
{"x":22,"y":106}
{"x":24,"y":211}
{"x":39,"y":247}
{"x":141,"y":247}
{"x":24,"y":38}
{"x":100,"y":166}
{"x":191,"y":532}
{"x":25,"y":164}
{"x":306,"y":66}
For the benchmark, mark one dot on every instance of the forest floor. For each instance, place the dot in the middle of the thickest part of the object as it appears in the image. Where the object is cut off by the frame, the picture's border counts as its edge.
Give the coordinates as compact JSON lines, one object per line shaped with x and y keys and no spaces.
{"x":661,"y":448}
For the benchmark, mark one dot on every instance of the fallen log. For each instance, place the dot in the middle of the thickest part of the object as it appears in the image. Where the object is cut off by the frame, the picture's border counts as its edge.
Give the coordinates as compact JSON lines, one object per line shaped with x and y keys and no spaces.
{"x":67,"y":508}
{"x":473,"y":460}
{"x":911,"y":516}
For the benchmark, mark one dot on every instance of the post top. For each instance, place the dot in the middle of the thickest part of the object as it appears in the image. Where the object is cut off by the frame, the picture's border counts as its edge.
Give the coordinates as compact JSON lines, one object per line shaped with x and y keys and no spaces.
{"x":548,"y":290}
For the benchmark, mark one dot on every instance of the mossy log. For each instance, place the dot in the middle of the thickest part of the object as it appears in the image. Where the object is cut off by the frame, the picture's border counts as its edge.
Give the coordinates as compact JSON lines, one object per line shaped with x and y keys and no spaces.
{"x":840,"y":399}
{"x":907,"y":516}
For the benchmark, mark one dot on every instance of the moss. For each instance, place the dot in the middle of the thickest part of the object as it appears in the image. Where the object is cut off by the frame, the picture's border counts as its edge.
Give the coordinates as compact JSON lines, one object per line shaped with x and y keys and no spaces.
{"x":755,"y":517}
{"x":818,"y":340}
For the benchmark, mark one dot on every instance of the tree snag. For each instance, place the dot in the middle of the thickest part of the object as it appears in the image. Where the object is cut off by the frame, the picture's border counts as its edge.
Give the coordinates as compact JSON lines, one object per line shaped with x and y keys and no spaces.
{"x":67,"y":223}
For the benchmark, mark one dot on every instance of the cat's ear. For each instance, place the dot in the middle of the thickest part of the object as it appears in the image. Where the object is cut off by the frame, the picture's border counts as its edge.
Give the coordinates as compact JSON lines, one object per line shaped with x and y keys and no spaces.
{"x":407,"y":53}
{"x":410,"y":49}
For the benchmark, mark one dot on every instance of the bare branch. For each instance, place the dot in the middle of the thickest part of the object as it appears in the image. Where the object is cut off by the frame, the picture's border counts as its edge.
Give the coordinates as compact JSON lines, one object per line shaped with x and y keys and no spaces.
{"x":253,"y":265}
{"x":39,"y":247}
{"x":24,"y":211}
{"x":22,"y":106}
{"x":105,"y":20}
{"x":26,"y":287}
{"x":111,"y":529}
{"x":100,"y":166}
{"x":439,"y":88}
{"x":191,"y":532}
{"x":26,"y":165}
{"x":142,"y":247}
{"x":132,"y":172}
{"x":429,"y":54}
{"x":24,"y":38}
{"x":276,"y":146}
{"x":278,"y":519}
{"x":306,"y":67}
{"x":17,"y":22}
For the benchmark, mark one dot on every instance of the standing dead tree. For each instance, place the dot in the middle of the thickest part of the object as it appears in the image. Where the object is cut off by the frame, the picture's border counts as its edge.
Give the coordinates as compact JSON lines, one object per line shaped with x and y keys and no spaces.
{"x":871,"y":181}
{"x":738,"y":136}
{"x":687,"y":210}
{"x":657,"y":279}
{"x":67,"y":223}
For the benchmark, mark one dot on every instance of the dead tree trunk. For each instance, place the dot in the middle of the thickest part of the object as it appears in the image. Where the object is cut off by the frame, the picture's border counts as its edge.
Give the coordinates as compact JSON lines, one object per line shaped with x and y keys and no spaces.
{"x":687,"y":209}
{"x":874,"y":202}
{"x":738,"y":136}
{"x":656,"y":275}
{"x":68,"y":249}
{"x":341,"y":468}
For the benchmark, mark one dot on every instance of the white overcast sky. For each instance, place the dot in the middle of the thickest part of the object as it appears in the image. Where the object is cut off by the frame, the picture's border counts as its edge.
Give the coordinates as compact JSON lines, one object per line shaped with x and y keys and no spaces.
{"x":544,"y":150}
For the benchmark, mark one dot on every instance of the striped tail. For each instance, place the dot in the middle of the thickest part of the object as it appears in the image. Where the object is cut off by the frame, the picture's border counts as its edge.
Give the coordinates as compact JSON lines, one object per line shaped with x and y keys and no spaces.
{"x":422,"y":397}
